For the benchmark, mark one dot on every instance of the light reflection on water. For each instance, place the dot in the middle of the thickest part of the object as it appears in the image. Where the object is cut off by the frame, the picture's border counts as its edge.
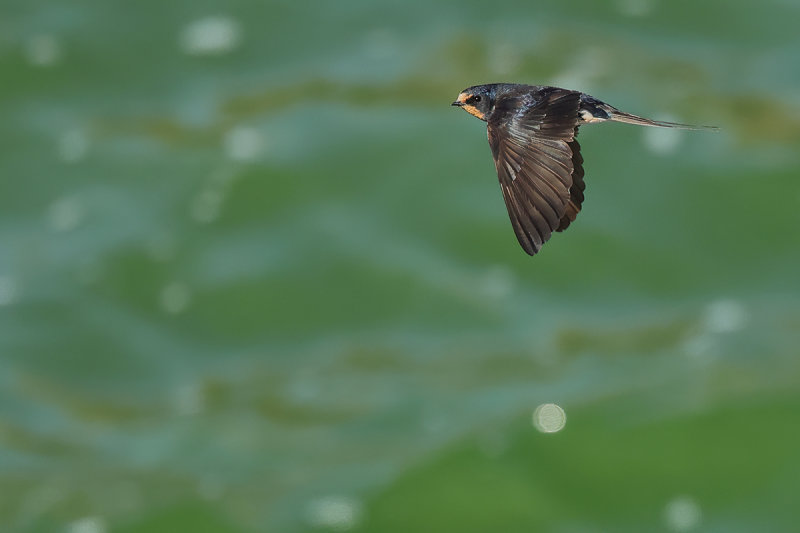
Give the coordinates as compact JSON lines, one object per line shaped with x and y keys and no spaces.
{"x":268,"y":271}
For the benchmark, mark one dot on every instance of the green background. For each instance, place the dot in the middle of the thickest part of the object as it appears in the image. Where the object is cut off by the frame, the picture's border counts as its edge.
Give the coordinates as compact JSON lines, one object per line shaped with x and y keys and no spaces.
{"x":256,"y":274}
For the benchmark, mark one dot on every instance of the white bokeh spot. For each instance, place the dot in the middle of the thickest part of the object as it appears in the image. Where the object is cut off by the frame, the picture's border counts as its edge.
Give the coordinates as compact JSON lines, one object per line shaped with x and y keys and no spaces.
{"x":725,"y":316}
{"x":175,"y":297}
{"x":88,"y":524}
{"x":662,"y":141}
{"x":243,"y":143}
{"x":65,"y":214}
{"x":636,"y":8}
{"x":72,"y":145}
{"x":215,"y":35}
{"x":8,"y":290}
{"x":43,"y":50}
{"x":549,"y":418}
{"x":340,"y":513}
{"x":682,"y":514}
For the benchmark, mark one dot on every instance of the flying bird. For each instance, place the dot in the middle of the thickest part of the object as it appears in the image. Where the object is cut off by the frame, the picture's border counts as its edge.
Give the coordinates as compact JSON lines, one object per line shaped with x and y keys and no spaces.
{"x":532,"y":132}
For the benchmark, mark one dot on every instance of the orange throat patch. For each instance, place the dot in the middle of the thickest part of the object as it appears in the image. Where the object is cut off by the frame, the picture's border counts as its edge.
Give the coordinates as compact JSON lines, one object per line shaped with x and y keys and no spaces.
{"x":472,"y":110}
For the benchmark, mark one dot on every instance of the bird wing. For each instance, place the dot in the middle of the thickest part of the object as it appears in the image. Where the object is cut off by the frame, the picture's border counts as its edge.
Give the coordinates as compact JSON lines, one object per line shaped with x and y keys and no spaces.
{"x":577,"y":188}
{"x":536,"y":156}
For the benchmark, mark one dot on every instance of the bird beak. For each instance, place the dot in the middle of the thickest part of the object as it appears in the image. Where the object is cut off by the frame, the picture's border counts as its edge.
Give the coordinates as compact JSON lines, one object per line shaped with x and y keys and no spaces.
{"x":457,"y":103}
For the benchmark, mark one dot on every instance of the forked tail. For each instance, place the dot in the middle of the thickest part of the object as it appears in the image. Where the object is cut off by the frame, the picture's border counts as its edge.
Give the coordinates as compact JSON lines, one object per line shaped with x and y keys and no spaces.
{"x":620,"y":116}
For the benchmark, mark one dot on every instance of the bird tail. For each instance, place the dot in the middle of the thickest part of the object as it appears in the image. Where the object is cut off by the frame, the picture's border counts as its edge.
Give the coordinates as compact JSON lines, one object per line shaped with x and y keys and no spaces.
{"x":620,"y":116}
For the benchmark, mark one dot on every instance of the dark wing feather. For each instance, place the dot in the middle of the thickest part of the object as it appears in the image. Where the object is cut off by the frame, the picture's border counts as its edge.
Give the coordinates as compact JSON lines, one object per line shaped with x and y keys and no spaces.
{"x":578,"y":186}
{"x":536,"y":155}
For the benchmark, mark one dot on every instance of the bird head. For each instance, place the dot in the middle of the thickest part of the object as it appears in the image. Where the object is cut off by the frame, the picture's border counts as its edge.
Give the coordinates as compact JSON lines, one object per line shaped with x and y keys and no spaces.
{"x":477,"y":100}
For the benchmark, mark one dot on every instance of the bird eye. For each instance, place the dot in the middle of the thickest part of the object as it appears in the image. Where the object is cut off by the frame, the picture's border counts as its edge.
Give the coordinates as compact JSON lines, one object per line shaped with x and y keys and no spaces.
{"x":476,"y":98}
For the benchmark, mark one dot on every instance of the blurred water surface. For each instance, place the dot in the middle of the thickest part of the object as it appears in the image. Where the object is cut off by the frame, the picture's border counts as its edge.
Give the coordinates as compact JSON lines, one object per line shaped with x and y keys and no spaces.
{"x":257,"y":275}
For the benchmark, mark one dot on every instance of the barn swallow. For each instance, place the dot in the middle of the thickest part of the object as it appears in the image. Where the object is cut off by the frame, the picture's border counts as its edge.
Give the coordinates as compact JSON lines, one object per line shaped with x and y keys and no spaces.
{"x":532,"y":132}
